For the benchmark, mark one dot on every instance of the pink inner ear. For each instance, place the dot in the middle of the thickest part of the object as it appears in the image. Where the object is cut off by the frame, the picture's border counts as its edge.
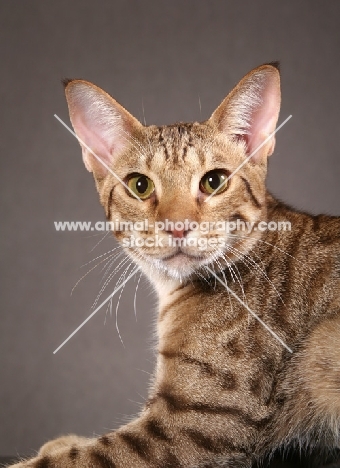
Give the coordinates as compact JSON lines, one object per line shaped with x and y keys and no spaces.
{"x":92,"y":137}
{"x":103,"y":126}
{"x":263,"y":121}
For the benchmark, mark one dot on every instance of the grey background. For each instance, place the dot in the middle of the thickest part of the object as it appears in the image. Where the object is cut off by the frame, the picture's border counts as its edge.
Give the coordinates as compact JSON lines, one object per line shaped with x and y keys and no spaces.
{"x":165,"y":55}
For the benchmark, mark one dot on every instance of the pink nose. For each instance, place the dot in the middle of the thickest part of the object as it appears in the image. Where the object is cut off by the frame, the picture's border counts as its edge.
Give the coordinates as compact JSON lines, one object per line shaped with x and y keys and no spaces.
{"x":178,"y":233}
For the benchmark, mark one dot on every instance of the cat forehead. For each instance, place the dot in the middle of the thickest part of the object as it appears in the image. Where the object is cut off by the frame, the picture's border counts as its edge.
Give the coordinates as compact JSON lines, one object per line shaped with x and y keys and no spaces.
{"x":179,"y":144}
{"x":179,"y":134}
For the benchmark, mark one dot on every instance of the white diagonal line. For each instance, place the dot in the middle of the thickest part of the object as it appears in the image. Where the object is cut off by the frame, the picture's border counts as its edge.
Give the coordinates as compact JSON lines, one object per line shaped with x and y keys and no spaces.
{"x":99,"y":307}
{"x":247,"y":159}
{"x":96,"y":156}
{"x":249,"y":310}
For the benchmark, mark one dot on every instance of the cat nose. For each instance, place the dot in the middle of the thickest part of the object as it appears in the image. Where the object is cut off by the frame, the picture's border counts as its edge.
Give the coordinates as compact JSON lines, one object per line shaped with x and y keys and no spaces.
{"x":178,"y":233}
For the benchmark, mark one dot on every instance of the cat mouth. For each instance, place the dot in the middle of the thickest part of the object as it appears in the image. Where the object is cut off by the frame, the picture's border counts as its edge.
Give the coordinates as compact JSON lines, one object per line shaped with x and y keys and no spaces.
{"x":179,"y":254}
{"x":179,"y":264}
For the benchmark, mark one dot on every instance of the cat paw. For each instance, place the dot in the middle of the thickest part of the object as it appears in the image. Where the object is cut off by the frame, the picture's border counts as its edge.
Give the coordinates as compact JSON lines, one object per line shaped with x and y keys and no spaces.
{"x":22,"y":464}
{"x":58,"y":459}
{"x":61,"y":443}
{"x":58,"y":453}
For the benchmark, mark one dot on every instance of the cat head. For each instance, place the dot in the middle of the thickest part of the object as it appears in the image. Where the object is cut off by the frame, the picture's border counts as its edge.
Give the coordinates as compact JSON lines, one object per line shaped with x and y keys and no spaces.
{"x":184,"y":187}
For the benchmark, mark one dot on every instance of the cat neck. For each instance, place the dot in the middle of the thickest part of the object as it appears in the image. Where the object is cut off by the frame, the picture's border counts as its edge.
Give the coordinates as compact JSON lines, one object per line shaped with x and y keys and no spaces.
{"x":163,"y":284}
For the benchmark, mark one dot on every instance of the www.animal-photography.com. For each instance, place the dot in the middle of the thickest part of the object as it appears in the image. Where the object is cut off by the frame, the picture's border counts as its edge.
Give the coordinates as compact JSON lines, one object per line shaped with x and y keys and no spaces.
{"x":170,"y":234}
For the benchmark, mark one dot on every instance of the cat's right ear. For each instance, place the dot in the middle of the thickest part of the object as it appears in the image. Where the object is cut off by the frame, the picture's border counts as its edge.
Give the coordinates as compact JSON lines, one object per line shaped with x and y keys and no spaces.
{"x":103,"y":127}
{"x":250,"y":111}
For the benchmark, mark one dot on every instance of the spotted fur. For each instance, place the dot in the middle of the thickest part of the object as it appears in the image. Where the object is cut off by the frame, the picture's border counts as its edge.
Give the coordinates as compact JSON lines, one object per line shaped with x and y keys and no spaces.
{"x":225,"y":392}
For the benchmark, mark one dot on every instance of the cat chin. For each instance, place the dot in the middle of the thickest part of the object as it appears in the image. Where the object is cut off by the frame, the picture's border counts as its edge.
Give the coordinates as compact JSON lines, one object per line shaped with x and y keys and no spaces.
{"x":180,"y":267}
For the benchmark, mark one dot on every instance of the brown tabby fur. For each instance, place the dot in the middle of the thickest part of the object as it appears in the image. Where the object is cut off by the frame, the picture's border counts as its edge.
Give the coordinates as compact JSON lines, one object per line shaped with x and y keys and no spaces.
{"x":225,"y":390}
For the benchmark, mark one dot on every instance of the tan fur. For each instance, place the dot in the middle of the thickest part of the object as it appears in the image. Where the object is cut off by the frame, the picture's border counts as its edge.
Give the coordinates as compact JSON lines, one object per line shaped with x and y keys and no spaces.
{"x":225,"y":391}
{"x":322,"y":368}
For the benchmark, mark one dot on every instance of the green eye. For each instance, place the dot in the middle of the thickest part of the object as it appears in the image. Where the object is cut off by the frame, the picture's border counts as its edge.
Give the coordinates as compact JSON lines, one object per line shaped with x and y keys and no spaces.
{"x":141,"y":185}
{"x":212,"y":181}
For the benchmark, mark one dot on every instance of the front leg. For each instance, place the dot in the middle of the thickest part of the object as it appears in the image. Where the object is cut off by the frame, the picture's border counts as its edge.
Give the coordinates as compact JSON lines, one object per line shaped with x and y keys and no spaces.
{"x":205,"y":410}
{"x":152,"y":441}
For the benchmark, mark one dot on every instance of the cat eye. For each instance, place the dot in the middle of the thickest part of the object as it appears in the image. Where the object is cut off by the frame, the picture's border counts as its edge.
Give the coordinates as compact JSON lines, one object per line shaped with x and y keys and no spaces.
{"x":212,"y":180}
{"x":141,"y":185}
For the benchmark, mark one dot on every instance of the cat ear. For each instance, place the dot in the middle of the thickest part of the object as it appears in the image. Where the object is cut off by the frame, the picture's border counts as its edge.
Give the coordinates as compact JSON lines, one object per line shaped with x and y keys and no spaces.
{"x":251,"y":110}
{"x":102,"y":126}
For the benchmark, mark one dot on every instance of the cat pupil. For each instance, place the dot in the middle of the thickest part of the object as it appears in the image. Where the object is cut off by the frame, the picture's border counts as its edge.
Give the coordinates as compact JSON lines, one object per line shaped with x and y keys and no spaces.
{"x":142,"y":184}
{"x":214,"y":181}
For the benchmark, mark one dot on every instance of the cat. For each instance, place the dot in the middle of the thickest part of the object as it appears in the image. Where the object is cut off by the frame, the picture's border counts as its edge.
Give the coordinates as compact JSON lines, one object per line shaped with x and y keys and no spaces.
{"x":249,"y":322}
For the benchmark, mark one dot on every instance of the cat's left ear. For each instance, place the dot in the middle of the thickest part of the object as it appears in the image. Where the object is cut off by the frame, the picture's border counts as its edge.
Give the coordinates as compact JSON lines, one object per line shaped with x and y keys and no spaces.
{"x":103,"y":127}
{"x":250,"y":111}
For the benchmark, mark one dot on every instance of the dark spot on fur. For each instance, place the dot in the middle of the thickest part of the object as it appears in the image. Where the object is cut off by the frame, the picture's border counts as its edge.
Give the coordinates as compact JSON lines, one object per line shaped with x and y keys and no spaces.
{"x":174,"y":402}
{"x":177,"y":403}
{"x":269,"y":365}
{"x":156,"y":430}
{"x":105,"y":440}
{"x":228,"y":381}
{"x":280,"y":400}
{"x":170,"y":461}
{"x":101,"y":460}
{"x":210,"y":444}
{"x":251,"y":193}
{"x":44,"y":462}
{"x":234,"y":347}
{"x":109,"y":204}
{"x":201,"y":440}
{"x":136,"y":443}
{"x":73,"y":453}
{"x":256,"y":386}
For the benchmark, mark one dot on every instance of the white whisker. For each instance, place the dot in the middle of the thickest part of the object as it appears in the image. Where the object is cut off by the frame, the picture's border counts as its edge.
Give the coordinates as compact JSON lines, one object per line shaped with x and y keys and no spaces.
{"x":91,"y":269}
{"x":117,"y":306}
{"x":135,"y":296}
{"x":246,"y":259}
{"x":110,"y":277}
{"x":100,"y":256}
{"x":267,"y":243}
{"x":101,"y":240}
{"x":96,"y":310}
